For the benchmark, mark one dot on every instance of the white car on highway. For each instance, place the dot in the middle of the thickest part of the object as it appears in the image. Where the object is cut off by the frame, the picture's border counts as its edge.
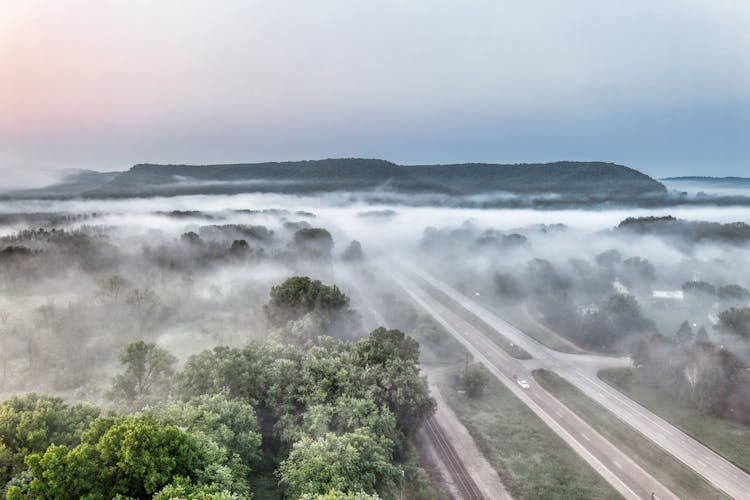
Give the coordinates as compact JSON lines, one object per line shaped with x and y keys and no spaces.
{"x":523,"y":383}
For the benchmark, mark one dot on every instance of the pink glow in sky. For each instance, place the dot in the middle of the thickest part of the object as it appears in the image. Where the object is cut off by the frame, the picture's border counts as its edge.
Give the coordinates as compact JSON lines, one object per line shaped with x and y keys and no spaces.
{"x":663,"y":86}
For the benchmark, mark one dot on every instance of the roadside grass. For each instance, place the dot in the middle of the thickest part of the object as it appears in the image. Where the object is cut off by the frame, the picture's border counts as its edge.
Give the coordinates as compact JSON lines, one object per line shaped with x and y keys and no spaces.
{"x":532,"y":461}
{"x":680,"y":479}
{"x":505,"y":344}
{"x":513,"y":314}
{"x":729,"y":439}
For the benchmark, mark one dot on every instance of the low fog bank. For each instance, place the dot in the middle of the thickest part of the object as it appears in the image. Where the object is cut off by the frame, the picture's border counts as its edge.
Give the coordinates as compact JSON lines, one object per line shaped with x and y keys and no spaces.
{"x":81,"y":279}
{"x":702,"y":188}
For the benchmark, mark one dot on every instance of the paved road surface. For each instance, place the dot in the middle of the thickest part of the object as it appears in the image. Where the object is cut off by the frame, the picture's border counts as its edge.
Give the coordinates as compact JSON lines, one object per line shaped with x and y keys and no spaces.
{"x":471,"y":475}
{"x":581,"y":370}
{"x":616,"y":467}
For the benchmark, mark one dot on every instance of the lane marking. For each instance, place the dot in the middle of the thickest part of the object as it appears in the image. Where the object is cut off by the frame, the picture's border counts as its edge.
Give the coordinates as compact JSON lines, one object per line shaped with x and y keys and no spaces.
{"x":617,"y":464}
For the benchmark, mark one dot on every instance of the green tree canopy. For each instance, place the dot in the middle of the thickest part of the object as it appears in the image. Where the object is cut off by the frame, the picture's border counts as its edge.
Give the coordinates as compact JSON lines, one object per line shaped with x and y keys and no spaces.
{"x":30,"y":423}
{"x":389,"y":374}
{"x":148,"y":372}
{"x":232,"y":424}
{"x":474,"y":380}
{"x":301,"y":309}
{"x":240,"y":372}
{"x":300,"y":295}
{"x":736,"y":321}
{"x":132,"y":456}
{"x":350,"y":462}
{"x":313,"y":243}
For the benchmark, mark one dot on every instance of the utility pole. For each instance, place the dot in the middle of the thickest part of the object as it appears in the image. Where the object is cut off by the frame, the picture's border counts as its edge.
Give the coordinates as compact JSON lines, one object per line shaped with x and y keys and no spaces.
{"x":401,"y":496}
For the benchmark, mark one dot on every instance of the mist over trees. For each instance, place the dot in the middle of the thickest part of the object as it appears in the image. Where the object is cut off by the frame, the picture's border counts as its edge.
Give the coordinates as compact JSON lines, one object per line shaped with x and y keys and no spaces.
{"x":642,"y":289}
{"x":236,"y":339}
{"x":231,"y":414}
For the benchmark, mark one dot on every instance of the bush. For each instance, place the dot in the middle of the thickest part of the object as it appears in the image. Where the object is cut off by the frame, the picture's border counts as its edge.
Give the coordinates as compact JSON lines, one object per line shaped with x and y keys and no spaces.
{"x":474,"y":380}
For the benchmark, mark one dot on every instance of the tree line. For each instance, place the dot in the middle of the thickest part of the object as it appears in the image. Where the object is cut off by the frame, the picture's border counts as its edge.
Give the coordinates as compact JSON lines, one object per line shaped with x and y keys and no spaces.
{"x":322,"y":418}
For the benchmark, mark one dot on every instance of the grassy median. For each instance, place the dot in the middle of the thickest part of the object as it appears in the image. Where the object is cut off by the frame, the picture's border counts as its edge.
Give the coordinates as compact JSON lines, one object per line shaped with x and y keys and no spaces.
{"x":680,"y":479}
{"x":729,"y":439}
{"x":532,"y":461}
{"x":505,"y":344}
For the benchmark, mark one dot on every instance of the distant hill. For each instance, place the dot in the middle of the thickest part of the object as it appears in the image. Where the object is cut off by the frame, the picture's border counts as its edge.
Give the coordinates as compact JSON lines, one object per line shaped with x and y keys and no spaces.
{"x":716,"y":181}
{"x":73,"y":182}
{"x":579,"y":179}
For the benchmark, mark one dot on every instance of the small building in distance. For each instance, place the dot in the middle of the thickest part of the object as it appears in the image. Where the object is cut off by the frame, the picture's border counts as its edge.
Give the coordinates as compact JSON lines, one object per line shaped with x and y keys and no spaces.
{"x":670,"y":298}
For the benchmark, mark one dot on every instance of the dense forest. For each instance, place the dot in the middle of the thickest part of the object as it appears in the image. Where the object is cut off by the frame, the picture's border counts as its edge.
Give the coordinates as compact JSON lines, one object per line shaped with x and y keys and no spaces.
{"x":323,"y":417}
{"x":180,"y":350}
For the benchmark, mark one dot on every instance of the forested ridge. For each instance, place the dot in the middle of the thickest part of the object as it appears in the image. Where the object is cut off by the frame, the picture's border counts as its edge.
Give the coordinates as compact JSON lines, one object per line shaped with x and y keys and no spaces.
{"x":578,"y":179}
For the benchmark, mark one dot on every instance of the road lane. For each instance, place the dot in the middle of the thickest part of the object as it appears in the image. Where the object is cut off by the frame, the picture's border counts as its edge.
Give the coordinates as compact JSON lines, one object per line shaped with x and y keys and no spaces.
{"x":580,"y":370}
{"x":629,"y":479}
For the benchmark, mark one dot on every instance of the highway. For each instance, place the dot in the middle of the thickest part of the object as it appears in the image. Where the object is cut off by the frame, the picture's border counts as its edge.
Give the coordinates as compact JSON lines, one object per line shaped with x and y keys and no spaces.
{"x":617,"y":468}
{"x":469,"y":474}
{"x":580,"y":370}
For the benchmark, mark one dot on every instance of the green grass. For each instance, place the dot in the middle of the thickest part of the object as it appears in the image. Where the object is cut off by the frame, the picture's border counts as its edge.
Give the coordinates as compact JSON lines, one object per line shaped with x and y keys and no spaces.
{"x":681,"y":480}
{"x":513,"y":314}
{"x":506,"y":345}
{"x":532,"y":461}
{"x":729,"y":439}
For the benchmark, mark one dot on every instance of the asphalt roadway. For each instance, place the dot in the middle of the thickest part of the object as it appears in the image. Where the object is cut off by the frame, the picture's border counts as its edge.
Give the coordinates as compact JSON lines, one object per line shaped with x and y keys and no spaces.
{"x":581,"y":371}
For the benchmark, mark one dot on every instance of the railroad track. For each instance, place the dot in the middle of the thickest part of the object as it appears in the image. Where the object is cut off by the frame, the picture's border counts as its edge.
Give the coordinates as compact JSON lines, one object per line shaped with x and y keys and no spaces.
{"x":461,"y":477}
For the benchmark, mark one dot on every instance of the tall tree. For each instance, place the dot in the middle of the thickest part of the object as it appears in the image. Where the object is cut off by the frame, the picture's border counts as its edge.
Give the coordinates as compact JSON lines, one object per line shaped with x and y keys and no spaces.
{"x":736,"y":321}
{"x":351,"y":462}
{"x":148,"y":372}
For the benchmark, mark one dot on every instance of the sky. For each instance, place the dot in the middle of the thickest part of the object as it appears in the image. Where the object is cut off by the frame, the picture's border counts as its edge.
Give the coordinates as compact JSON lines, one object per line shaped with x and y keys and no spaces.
{"x":659,"y":85}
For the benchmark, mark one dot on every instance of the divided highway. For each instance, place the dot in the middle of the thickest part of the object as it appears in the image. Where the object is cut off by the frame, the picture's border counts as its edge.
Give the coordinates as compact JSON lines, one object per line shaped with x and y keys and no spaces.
{"x":580,"y":370}
{"x":617,"y":468}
